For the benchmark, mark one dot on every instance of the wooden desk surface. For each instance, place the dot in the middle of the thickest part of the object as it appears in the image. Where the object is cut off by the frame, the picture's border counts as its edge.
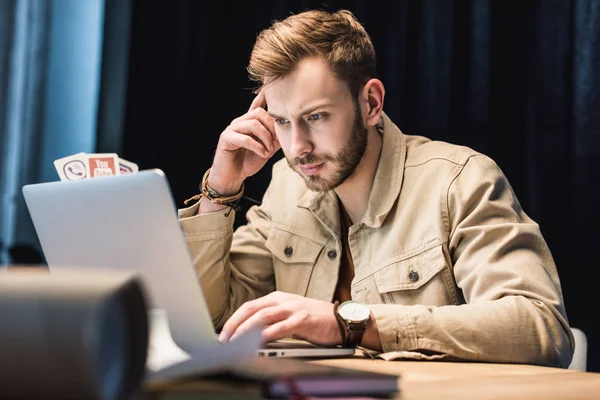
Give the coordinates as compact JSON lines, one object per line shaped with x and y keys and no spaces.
{"x":450,"y":380}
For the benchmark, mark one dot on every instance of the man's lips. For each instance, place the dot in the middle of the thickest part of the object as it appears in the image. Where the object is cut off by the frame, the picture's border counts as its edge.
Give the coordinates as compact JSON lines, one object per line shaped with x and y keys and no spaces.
{"x":311,"y":169}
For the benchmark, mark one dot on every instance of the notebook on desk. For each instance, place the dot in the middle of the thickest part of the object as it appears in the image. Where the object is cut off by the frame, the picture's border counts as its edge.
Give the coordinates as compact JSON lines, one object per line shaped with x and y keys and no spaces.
{"x":130,"y":222}
{"x":274,"y":378}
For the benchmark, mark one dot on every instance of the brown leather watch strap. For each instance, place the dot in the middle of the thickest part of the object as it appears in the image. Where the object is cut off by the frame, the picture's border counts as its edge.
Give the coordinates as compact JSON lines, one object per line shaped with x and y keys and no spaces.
{"x":355,"y":333}
{"x":340,"y":321}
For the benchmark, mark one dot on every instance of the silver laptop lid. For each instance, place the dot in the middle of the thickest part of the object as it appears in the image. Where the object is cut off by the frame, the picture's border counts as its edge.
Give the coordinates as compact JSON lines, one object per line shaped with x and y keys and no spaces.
{"x":125,"y":222}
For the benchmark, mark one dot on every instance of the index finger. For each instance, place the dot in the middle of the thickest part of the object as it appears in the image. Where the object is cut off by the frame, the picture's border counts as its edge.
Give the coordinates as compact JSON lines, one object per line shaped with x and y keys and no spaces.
{"x":259,"y":101}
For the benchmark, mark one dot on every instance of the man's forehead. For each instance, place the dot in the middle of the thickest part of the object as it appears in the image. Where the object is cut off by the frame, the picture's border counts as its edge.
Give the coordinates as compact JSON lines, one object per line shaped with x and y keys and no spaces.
{"x":309,"y":84}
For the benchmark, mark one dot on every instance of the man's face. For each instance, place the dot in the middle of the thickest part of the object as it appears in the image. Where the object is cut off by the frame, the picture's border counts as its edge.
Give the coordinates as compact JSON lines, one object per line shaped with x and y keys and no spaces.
{"x":318,"y":124}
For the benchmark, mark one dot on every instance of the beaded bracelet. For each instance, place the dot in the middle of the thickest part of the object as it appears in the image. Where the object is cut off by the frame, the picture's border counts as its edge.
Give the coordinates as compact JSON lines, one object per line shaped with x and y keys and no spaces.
{"x":233,"y":202}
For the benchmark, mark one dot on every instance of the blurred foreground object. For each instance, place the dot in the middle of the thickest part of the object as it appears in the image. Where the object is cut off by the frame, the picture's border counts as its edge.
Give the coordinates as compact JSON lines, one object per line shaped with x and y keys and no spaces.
{"x":71,"y":334}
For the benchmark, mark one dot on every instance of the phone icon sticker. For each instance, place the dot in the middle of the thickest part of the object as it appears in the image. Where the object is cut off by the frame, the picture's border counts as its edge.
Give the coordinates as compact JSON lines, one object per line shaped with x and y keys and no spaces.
{"x":74,"y":170}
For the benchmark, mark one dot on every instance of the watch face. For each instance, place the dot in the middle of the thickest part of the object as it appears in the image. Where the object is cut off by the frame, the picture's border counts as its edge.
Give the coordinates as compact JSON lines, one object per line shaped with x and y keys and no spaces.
{"x":354,"y":312}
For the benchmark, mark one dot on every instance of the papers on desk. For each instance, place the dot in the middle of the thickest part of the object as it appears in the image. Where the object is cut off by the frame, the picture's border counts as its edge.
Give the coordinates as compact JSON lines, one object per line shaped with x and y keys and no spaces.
{"x":162,"y":349}
{"x":216,"y":368}
{"x":281,"y":378}
{"x":167,"y":361}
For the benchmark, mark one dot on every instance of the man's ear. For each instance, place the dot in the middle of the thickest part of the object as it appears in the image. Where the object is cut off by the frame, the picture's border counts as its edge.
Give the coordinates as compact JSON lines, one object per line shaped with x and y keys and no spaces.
{"x":373,"y":94}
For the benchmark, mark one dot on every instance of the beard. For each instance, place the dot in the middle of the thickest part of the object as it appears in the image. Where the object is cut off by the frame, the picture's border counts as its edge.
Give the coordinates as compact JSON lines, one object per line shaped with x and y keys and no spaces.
{"x":344,"y":163}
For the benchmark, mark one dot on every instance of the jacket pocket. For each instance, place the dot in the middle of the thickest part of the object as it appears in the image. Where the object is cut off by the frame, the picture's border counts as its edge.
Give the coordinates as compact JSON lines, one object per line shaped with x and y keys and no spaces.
{"x":419,"y":279}
{"x":294,"y":257}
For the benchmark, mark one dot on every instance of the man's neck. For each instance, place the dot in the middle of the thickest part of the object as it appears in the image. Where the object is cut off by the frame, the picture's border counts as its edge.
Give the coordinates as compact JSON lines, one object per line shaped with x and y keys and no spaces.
{"x":355,"y":191}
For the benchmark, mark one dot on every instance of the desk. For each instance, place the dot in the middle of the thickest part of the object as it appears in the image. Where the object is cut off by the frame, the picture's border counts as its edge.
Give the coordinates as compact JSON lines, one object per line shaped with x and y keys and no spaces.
{"x":445,"y":380}
{"x":452,"y":380}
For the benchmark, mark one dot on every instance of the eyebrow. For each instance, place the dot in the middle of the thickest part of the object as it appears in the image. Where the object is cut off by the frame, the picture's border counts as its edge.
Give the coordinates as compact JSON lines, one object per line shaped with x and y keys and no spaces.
{"x":307,"y":110}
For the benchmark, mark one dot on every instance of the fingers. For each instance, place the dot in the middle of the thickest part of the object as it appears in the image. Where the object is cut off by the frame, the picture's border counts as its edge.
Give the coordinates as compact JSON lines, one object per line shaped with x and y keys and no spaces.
{"x":255,"y":128}
{"x":261,"y":115}
{"x":257,"y":110}
{"x":259,"y":125}
{"x":261,"y":318}
{"x":285,"y":327}
{"x":265,"y":119}
{"x":236,"y":141}
{"x":259,"y":101}
{"x":242,"y":314}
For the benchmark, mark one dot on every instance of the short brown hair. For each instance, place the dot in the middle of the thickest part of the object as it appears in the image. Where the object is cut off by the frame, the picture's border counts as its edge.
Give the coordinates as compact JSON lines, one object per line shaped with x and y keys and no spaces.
{"x":337,"y":37}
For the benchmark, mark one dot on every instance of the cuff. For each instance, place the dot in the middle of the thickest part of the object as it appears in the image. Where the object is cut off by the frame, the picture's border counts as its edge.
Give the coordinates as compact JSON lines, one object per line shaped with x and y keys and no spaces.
{"x":205,"y":226}
{"x":396,"y":327}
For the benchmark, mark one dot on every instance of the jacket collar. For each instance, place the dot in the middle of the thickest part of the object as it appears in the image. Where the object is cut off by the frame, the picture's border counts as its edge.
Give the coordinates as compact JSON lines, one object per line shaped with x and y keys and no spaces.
{"x":386,"y":186}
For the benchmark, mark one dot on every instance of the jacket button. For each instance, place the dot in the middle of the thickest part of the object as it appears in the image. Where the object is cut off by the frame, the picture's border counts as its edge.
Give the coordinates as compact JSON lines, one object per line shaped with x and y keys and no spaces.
{"x":413,"y":276}
{"x":288,"y":251}
{"x":332,"y":254}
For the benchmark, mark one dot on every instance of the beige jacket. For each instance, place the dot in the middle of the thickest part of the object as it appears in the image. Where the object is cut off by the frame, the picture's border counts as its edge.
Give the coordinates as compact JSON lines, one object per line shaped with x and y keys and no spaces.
{"x":445,"y":257}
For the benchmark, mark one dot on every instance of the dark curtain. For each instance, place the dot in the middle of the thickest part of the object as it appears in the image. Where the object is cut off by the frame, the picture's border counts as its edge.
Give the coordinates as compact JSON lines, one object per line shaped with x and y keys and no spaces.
{"x":517,"y":80}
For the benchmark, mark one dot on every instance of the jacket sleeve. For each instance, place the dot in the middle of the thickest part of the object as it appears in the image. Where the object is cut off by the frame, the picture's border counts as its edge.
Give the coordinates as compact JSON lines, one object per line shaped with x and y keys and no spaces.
{"x":232,"y":268}
{"x":514,"y":309}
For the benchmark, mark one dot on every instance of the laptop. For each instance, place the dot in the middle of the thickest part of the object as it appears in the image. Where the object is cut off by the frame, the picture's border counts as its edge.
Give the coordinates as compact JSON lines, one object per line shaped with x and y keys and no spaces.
{"x":129,"y":222}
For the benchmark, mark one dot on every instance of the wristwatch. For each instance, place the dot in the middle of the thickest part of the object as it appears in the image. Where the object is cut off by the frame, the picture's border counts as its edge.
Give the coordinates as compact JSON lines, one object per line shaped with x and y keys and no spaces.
{"x":352,"y":318}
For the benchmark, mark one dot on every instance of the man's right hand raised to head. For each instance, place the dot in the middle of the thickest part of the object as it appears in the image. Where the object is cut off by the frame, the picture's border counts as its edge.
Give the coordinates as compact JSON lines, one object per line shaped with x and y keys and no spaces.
{"x":243,"y":149}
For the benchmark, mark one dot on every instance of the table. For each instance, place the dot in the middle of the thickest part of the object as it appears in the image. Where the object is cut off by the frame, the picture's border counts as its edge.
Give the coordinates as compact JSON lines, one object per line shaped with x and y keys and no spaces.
{"x":458,"y":380}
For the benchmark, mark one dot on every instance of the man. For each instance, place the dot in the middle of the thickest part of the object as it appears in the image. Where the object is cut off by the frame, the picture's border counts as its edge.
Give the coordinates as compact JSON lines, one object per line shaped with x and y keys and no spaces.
{"x":427,"y":238}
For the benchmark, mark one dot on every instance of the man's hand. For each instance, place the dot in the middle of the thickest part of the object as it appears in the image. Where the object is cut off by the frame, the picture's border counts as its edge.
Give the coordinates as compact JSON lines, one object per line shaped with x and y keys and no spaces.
{"x":244,"y":147}
{"x":285,"y":315}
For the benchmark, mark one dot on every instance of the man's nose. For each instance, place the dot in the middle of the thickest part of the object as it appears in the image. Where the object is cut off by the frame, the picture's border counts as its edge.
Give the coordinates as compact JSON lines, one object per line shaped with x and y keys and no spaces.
{"x":301,"y":143}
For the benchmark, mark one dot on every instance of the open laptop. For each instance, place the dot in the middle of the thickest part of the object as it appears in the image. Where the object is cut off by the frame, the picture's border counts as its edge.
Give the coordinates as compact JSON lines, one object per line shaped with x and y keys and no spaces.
{"x":129,"y":222}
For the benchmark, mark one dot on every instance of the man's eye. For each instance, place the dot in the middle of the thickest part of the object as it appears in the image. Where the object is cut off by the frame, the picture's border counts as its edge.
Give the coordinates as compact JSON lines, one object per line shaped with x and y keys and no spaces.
{"x":315,"y":117}
{"x":280,"y":121}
